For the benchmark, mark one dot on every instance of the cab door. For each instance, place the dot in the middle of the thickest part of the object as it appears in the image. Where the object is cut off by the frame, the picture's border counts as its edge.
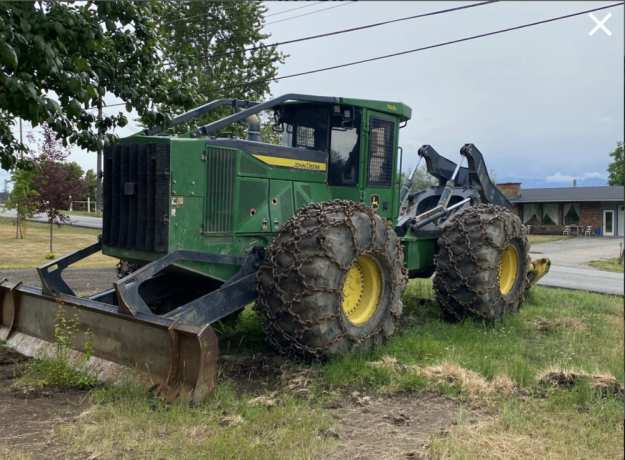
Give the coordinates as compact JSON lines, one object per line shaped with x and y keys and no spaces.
{"x":380,"y":163}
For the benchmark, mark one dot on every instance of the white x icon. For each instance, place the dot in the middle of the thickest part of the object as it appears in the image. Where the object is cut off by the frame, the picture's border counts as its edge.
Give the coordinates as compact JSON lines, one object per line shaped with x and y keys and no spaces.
{"x":600,"y":24}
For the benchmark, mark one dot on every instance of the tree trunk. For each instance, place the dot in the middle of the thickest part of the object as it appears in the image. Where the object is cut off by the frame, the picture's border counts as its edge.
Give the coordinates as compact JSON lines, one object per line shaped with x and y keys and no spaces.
{"x":17,"y":223}
{"x":51,"y":225}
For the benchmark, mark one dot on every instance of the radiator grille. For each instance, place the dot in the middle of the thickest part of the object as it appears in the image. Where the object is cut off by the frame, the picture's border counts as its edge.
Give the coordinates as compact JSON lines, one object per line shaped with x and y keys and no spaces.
{"x":136,"y":196}
{"x":221,"y":178}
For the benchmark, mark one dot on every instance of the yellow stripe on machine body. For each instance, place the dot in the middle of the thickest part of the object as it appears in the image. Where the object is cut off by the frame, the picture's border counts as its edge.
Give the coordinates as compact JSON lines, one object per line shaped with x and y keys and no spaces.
{"x":292,"y":163}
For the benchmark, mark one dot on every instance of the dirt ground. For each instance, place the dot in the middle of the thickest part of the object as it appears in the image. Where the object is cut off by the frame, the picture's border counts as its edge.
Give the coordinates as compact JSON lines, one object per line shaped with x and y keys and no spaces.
{"x":394,"y":428}
{"x":30,"y":418}
{"x":375,"y":428}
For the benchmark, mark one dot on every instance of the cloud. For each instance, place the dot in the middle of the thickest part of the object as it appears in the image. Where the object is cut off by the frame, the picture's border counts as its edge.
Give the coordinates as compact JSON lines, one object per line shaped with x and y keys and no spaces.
{"x":557,"y":177}
{"x":606,"y":119}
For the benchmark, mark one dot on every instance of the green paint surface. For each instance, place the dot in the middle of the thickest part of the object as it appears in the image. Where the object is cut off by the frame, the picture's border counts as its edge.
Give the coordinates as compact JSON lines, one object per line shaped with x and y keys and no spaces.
{"x":226,"y":201}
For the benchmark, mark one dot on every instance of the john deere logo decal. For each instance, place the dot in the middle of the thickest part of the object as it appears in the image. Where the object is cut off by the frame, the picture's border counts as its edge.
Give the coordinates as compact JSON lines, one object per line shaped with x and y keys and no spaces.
{"x":375,"y":201}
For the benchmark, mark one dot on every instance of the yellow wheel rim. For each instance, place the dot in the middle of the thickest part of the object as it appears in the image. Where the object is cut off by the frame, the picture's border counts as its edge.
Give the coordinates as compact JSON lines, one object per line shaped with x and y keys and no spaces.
{"x":361,"y":291}
{"x":508,"y":269}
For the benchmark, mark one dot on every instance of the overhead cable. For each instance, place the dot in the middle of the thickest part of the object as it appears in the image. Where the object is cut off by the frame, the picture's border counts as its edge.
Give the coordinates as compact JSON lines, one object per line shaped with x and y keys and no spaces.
{"x":344,"y":31}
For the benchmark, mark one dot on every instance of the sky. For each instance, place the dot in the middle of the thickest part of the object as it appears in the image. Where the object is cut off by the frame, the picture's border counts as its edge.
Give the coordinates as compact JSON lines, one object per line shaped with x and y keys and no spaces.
{"x":543,"y":104}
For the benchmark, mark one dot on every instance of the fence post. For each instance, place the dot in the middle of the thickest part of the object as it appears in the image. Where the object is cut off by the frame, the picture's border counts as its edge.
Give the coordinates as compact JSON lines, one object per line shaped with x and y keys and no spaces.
{"x":88,"y":205}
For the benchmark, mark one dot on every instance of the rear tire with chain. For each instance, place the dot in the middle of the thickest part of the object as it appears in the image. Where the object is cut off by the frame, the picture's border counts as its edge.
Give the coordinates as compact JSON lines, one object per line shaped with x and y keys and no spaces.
{"x":332,"y":281}
{"x":482,"y":264}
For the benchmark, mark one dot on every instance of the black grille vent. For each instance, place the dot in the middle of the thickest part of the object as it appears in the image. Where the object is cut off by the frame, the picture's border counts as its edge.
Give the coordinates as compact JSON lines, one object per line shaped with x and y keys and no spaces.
{"x":381,"y":144}
{"x":136,"y":196}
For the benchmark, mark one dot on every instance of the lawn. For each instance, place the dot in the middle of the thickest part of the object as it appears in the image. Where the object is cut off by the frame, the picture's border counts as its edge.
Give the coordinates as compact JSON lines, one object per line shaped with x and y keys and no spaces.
{"x":495,"y":367}
{"x":610,"y":265}
{"x":535,"y":239}
{"x":30,"y":251}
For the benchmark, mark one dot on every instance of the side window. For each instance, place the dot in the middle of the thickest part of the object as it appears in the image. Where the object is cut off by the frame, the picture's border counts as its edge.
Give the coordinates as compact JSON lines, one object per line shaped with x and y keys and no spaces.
{"x":381,"y":142}
{"x":306,"y":128}
{"x":344,"y":153}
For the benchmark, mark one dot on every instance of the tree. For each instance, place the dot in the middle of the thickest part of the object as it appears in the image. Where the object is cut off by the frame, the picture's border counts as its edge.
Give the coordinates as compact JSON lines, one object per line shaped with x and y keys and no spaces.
{"x":21,"y":198}
{"x":616,"y":168}
{"x":54,"y":182}
{"x":90,"y":184}
{"x":421,"y":179}
{"x":199,"y":33}
{"x":80,"y":52}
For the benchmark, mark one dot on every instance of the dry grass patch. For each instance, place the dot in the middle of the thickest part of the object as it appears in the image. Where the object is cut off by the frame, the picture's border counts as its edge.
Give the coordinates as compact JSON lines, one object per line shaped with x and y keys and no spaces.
{"x":568,"y":378}
{"x":543,"y":324}
{"x":30,"y":252}
{"x":450,"y":372}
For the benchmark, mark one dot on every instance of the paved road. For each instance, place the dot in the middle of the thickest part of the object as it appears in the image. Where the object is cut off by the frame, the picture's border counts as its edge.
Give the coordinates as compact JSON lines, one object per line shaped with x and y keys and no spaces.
{"x":578,"y":251}
{"x":83,"y":281}
{"x":78,"y":221}
{"x":584,"y":279}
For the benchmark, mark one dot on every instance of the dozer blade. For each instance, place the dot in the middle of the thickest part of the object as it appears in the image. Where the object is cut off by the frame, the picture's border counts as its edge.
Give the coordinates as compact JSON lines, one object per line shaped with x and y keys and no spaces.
{"x":538,"y":269}
{"x":176,"y":359}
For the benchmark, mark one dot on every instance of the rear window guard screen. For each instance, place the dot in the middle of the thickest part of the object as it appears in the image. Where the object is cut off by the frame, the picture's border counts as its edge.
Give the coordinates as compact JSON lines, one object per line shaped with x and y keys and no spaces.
{"x":381,"y":142}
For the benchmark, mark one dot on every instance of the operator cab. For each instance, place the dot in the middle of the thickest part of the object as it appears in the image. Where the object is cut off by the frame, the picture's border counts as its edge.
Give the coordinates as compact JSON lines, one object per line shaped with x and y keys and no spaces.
{"x":334,"y":129}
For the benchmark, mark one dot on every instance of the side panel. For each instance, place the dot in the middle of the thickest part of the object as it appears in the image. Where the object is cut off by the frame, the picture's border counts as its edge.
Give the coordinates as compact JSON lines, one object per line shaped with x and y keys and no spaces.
{"x":306,"y":193}
{"x":281,"y":202}
{"x":252,"y":209}
{"x":419,"y":256}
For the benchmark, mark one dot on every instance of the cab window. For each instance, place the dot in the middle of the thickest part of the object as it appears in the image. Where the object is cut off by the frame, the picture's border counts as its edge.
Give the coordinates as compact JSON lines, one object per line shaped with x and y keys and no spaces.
{"x":306,"y":128}
{"x":344,"y":152}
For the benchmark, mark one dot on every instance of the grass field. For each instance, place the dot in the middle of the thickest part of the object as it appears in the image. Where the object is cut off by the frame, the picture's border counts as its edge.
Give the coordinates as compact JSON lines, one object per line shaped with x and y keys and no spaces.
{"x":30,"y":251}
{"x":610,"y":265}
{"x":496,"y":367}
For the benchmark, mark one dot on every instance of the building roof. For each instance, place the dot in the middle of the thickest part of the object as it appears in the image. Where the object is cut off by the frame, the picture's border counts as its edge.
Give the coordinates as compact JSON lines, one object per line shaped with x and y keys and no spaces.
{"x":570,"y":194}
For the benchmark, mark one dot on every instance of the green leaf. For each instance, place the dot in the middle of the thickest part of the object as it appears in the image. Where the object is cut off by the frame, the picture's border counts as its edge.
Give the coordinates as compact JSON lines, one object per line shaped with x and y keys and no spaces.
{"x":110,"y":25}
{"x":82,"y":64}
{"x":7,"y":54}
{"x":25,"y":25}
{"x":92,"y":92}
{"x":128,"y":107}
{"x":53,"y":106}
{"x":73,"y":109}
{"x":74,"y":85}
{"x":59,"y":28}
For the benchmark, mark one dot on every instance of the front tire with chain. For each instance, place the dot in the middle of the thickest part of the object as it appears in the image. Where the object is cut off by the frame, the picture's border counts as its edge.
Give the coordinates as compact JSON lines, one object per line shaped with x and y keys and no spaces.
{"x":332,"y":281}
{"x":482,"y":264}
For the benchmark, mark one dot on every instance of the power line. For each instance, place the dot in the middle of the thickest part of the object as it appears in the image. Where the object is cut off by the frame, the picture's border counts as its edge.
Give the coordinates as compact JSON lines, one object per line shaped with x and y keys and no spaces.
{"x":474,"y":37}
{"x":413,"y":50}
{"x":313,"y":12}
{"x":338,"y":32}
{"x":274,"y":14}
{"x":293,"y":9}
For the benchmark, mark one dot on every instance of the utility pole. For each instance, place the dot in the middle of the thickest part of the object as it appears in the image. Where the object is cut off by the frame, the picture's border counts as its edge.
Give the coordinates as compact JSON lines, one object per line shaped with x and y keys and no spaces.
{"x":98,"y":174}
{"x":18,"y":226}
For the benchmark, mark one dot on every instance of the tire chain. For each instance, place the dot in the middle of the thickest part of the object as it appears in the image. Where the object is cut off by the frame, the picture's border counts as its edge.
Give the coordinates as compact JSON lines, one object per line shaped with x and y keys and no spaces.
{"x":125,"y":268}
{"x":476,"y":212}
{"x":320,"y":212}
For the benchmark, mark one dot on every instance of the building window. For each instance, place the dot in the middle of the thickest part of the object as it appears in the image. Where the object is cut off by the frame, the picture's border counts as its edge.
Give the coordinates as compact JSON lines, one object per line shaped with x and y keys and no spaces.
{"x":550,"y":214}
{"x":570,"y":213}
{"x":530,"y":214}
